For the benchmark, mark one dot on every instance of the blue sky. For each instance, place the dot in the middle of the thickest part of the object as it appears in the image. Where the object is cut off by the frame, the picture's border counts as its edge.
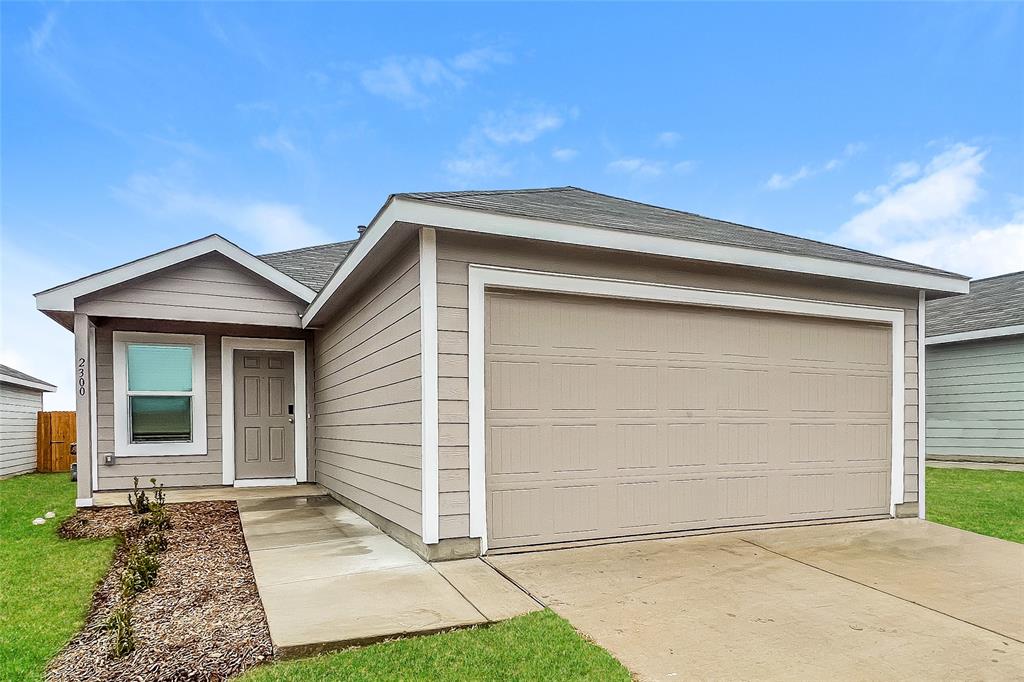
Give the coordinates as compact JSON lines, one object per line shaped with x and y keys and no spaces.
{"x":131,"y":127}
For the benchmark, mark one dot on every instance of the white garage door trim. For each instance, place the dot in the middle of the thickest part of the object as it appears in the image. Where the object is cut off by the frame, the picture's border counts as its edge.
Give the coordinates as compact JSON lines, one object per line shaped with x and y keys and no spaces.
{"x":482,"y":276}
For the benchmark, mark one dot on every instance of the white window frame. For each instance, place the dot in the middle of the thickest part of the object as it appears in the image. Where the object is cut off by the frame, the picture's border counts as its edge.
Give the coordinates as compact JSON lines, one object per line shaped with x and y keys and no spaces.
{"x":123,"y":447}
{"x":483,"y":277}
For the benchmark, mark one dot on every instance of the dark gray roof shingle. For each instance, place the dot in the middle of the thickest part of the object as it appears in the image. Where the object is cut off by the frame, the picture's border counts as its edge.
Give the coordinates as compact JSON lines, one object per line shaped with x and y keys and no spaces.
{"x":6,"y":371}
{"x":310,"y":265}
{"x":992,"y":303}
{"x":583,"y":207}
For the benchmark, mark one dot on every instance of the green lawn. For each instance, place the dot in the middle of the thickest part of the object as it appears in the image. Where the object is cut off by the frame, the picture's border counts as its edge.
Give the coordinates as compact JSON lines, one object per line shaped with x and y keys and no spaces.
{"x":986,"y":501}
{"x":46,"y":583}
{"x":537,"y":646}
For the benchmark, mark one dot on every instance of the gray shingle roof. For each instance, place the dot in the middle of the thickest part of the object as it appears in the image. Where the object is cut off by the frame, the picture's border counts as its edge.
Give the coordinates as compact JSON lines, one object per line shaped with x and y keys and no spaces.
{"x":310,"y":265}
{"x":993,"y":302}
{"x":583,"y":207}
{"x":6,"y":371}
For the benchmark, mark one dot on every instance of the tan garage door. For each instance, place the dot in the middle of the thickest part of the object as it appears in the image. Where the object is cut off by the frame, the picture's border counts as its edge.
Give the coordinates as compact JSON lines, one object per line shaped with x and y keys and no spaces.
{"x":609,"y":418}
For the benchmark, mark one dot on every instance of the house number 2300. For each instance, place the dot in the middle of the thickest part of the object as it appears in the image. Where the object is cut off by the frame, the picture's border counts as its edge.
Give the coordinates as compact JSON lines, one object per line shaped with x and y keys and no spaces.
{"x":81,"y":376}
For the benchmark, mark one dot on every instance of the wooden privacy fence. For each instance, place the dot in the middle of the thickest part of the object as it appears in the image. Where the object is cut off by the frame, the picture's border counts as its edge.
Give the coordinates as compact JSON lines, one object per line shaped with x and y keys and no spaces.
{"x":55,"y":432}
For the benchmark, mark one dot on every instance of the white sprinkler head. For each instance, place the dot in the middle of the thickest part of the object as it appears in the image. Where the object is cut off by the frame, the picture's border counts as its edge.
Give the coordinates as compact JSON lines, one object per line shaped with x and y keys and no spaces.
{"x":38,"y":522}
{"x":49,"y":515}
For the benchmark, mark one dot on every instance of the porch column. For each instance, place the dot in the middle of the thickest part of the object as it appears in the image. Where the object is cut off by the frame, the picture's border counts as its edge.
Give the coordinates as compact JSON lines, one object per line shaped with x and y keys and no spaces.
{"x":84,"y":388}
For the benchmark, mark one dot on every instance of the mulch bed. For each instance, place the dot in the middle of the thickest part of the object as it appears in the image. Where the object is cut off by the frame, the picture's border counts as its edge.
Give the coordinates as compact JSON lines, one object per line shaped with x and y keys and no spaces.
{"x":202,"y":620}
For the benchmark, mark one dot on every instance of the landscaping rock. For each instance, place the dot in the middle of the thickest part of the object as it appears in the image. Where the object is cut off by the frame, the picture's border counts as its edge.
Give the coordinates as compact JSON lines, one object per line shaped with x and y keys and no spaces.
{"x":202,"y":620}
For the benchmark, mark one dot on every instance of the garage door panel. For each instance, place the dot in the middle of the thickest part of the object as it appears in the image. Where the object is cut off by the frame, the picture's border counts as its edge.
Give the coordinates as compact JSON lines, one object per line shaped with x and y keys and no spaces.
{"x":651,"y":418}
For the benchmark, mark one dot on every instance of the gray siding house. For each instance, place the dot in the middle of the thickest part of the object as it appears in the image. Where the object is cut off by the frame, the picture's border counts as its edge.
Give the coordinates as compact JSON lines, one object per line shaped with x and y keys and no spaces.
{"x":21,"y":397}
{"x":975,"y":373}
{"x":490,"y":370}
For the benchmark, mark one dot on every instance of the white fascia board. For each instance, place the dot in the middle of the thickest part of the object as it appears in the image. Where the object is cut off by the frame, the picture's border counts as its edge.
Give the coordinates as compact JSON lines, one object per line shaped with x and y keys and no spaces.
{"x":18,"y":381}
{"x":467,"y":220}
{"x":62,"y":298}
{"x":993,"y":333}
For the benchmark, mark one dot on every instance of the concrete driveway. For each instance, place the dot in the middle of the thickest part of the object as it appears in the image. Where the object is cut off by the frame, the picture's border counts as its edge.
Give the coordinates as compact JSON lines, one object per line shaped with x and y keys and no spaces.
{"x":894,"y":599}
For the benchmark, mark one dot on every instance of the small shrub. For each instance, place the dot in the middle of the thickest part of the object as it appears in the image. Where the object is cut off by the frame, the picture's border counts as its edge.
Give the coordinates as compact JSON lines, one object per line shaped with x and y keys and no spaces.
{"x":137,"y":499}
{"x":122,"y":637}
{"x":158,"y":494}
{"x":154,"y":543}
{"x":139,"y":573}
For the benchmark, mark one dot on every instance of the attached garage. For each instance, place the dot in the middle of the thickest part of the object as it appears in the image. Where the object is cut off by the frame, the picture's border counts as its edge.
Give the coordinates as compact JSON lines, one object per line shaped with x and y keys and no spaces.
{"x":608,"y":418}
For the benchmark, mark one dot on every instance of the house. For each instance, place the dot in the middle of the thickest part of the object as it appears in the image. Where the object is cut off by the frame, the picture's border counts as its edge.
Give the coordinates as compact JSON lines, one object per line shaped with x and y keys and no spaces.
{"x":21,"y":397}
{"x":485,"y":370}
{"x":974,"y":393}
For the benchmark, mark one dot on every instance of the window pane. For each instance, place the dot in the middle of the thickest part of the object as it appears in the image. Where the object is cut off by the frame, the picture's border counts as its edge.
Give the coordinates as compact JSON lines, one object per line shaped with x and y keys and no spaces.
{"x":152,"y":367}
{"x":161,"y":419}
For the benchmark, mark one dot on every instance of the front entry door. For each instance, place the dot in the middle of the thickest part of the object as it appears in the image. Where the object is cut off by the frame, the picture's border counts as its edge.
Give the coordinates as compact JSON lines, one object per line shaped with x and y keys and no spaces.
{"x":264,"y":414}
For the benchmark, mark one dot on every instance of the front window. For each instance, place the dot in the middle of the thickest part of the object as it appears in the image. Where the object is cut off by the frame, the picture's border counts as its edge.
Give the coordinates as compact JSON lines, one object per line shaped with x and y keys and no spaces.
{"x":159,"y":393}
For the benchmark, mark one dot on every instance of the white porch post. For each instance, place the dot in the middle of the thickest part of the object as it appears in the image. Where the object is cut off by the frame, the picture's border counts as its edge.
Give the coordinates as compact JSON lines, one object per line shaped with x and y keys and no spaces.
{"x":83,"y":408}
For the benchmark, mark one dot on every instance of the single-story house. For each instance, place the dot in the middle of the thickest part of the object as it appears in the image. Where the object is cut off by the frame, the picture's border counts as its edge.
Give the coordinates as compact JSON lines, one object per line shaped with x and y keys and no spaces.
{"x":974,"y":359}
{"x":21,"y":399}
{"x":492,"y":369}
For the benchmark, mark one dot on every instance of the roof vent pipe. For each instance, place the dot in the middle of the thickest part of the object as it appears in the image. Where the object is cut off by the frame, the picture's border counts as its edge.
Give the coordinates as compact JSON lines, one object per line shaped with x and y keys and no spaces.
{"x":360,"y":229}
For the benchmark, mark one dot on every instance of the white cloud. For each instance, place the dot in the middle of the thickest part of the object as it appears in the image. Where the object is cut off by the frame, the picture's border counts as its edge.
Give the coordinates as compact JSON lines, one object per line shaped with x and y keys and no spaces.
{"x":637,"y":166}
{"x":480,"y":59}
{"x":925,"y":215}
{"x":471,"y":168}
{"x":514,"y":126}
{"x":275,"y":226}
{"x":564,"y":154}
{"x":684,"y":166}
{"x":39,"y":37}
{"x":482,"y":153}
{"x":407,"y":80}
{"x":780,"y":181}
{"x":279,"y":141}
{"x":938,"y":199}
{"x":669,"y":138}
{"x":413,"y":80}
{"x":648,"y":168}
{"x":31,"y":342}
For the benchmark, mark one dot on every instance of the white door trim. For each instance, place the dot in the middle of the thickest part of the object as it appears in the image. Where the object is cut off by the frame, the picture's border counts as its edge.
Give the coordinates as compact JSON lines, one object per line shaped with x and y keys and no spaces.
{"x":228,"y":345}
{"x":482,"y":276}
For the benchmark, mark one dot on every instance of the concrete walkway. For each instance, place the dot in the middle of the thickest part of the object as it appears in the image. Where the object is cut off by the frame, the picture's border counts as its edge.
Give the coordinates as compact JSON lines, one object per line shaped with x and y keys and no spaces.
{"x":328,"y":579}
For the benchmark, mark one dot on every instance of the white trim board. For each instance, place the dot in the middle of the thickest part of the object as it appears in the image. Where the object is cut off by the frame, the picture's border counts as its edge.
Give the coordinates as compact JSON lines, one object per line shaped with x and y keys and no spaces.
{"x":122,"y":445}
{"x":429,"y":382}
{"x":94,"y":419}
{"x":481,"y":277}
{"x":228,"y":345}
{"x":40,"y":386}
{"x":922,"y":429}
{"x":401,"y":210}
{"x":994,"y":333}
{"x":62,"y":298}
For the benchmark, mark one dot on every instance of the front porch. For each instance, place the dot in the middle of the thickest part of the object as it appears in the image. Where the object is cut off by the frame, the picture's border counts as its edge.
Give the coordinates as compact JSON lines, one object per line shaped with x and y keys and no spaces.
{"x":216,"y":493}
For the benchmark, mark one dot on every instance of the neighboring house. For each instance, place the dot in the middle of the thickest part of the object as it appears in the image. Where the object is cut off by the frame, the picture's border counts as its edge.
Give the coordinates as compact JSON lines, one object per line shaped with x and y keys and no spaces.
{"x":484,"y":370}
{"x":975,"y":373}
{"x":21,"y":397}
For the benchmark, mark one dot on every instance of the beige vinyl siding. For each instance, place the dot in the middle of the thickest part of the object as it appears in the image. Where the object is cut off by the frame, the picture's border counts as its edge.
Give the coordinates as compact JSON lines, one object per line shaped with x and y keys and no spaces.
{"x":170,"y":470}
{"x":367,"y":395}
{"x":975,"y":399}
{"x":211,"y":288}
{"x":456,"y":251}
{"x":18,"y":408}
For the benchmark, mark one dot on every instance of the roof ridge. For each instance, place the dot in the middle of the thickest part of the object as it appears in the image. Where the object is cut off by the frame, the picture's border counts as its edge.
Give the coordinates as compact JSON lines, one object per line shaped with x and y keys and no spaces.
{"x":307,"y":248}
{"x":524,"y":190}
{"x":991,"y":277}
{"x":758,"y":229}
